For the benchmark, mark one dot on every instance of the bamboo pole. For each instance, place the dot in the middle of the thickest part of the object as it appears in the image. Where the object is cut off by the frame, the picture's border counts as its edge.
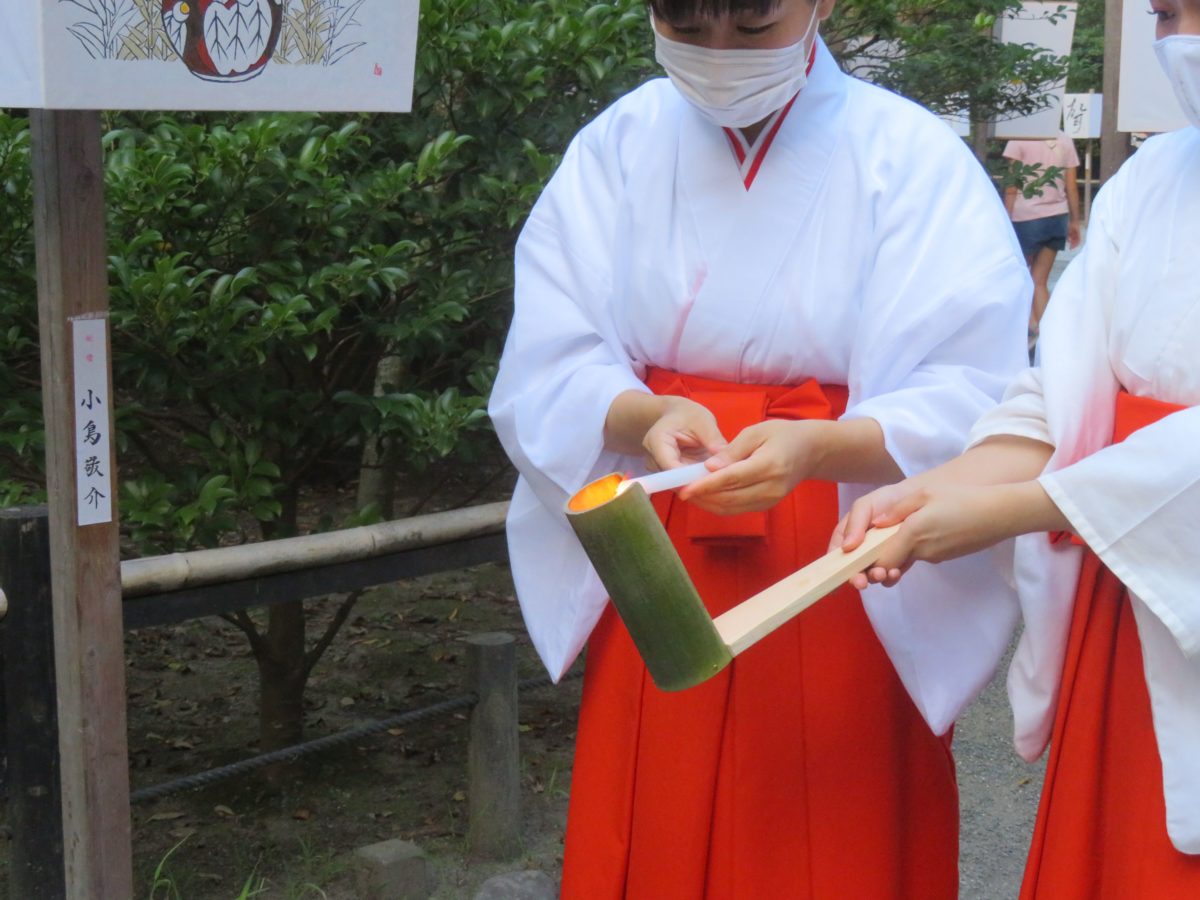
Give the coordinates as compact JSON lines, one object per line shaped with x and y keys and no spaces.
{"x":176,"y":571}
{"x":680,"y":643}
{"x":648,"y":584}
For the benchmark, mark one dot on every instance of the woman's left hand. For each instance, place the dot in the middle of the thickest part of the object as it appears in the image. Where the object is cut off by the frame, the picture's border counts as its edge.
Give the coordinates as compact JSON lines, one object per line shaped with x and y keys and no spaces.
{"x":760,"y":466}
{"x":1074,"y":234}
{"x":944,"y":522}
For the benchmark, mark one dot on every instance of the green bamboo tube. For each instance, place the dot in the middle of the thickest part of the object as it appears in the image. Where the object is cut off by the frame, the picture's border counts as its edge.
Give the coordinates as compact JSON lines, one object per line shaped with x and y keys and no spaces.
{"x":648,"y":584}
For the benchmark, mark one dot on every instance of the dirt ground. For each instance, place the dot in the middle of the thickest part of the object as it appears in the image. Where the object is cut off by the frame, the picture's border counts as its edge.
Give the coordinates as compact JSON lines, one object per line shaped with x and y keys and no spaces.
{"x":192,"y":706}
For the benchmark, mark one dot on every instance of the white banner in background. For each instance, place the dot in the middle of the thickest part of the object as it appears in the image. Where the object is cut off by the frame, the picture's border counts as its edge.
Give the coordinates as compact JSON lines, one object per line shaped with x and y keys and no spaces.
{"x":1050,"y":26}
{"x":1147,"y":102}
{"x":1083,"y":115}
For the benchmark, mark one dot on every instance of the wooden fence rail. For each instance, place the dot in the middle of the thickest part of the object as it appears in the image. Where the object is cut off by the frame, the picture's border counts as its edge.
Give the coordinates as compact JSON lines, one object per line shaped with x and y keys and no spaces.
{"x":176,"y":571}
{"x":180,"y":586}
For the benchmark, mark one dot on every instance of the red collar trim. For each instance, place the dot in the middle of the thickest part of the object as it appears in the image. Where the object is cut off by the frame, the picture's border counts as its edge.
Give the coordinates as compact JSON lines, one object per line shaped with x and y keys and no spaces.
{"x":750,"y":156}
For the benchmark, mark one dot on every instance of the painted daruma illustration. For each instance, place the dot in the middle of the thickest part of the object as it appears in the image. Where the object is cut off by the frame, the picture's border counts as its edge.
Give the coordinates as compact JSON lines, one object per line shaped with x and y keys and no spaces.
{"x":223,"y":40}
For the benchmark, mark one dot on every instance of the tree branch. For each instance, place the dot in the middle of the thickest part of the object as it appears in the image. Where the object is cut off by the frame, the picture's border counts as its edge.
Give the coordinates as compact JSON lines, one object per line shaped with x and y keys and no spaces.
{"x":313,"y":656}
{"x":242,"y":621}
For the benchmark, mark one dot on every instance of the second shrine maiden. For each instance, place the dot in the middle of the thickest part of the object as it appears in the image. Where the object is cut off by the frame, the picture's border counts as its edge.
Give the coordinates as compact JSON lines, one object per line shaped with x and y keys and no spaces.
{"x":1098,"y":444}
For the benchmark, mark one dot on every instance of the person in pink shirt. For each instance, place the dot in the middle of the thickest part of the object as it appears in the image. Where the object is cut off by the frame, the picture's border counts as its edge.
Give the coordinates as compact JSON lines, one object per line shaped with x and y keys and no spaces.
{"x":1044,"y":223}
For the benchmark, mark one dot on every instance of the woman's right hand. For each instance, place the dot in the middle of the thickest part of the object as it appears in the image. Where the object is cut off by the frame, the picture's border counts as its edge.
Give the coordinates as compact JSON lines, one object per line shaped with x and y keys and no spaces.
{"x":685,"y":433}
{"x":668,"y":431}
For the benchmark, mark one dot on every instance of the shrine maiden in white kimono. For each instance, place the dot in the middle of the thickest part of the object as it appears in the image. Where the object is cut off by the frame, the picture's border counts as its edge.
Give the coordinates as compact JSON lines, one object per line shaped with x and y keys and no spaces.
{"x":856,"y":255}
{"x":1126,"y":315}
{"x":867,"y":248}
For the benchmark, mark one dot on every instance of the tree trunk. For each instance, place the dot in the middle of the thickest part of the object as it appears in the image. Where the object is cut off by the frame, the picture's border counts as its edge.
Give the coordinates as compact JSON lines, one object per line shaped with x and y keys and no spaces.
{"x":377,"y":473}
{"x":282,"y":677}
{"x":282,"y":673}
{"x":981,"y":135}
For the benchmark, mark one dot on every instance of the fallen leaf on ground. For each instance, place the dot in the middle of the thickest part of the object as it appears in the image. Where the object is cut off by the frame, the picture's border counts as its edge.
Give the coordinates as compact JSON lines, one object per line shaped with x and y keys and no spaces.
{"x":224,"y":811}
{"x":166,"y":816}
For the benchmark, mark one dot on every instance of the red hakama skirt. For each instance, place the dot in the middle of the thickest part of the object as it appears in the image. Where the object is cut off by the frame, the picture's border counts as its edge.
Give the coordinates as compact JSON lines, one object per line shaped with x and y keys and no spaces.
{"x":1101,"y":831}
{"x":803,"y":770}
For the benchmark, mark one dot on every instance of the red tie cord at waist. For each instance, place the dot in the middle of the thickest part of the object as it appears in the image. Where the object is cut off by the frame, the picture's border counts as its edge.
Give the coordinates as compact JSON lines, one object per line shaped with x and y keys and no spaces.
{"x":736,"y":407}
{"x":1133,"y":413}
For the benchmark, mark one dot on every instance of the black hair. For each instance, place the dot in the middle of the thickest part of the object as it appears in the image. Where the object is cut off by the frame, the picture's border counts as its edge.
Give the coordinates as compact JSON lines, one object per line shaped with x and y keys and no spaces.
{"x":681,"y":10}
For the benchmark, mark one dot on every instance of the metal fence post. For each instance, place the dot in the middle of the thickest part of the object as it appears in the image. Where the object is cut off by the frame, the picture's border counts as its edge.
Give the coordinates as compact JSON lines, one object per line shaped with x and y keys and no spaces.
{"x":493,"y":761}
{"x":35,"y":798}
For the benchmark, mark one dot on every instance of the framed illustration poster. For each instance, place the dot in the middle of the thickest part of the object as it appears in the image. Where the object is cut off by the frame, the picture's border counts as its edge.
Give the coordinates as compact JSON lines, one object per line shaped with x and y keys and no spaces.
{"x":335,"y":55}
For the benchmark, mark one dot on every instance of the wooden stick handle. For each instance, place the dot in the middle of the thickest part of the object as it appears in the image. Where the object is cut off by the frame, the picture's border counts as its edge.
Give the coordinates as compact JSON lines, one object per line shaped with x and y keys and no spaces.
{"x":754,"y":619}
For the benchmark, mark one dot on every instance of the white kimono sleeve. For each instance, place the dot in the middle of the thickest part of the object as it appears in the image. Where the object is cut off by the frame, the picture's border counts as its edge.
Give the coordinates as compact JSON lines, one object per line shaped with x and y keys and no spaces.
{"x":944,"y":322}
{"x":1066,"y":402}
{"x":944,"y":314}
{"x":1022,"y":412}
{"x":561,"y":369}
{"x":1137,"y":505}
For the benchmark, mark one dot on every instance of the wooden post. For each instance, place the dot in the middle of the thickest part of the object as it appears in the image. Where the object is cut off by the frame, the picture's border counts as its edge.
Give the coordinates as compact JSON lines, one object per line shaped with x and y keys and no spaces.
{"x":68,"y":183}
{"x":35,"y":867}
{"x":493,"y":760}
{"x":1114,"y":145}
{"x":1087,"y":183}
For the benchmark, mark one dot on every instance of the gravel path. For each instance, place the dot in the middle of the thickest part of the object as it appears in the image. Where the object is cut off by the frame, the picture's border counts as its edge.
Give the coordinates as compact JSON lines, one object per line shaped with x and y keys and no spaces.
{"x":998,"y":793}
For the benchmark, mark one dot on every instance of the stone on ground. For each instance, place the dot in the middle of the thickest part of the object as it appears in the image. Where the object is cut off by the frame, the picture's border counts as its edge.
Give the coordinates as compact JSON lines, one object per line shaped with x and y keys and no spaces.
{"x":528,"y":885}
{"x":392,"y":870}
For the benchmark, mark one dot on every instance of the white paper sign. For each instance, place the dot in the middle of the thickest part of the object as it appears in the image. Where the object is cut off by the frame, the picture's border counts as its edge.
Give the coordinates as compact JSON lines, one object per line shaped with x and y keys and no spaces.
{"x":20,"y":85}
{"x":93,"y":469}
{"x":1033,"y":26}
{"x":1147,"y":102}
{"x":1083,"y":115}
{"x":349,"y":55}
{"x":960,"y":124}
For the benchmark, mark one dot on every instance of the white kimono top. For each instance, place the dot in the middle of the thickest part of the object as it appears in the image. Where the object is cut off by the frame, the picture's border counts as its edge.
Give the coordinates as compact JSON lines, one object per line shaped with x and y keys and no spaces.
{"x":871,"y":250}
{"x":1126,"y":314}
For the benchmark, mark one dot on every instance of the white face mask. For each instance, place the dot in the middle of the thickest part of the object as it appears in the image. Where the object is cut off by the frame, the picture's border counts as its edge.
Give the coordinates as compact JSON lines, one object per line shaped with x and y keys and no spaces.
{"x":736,"y":88}
{"x":1179,"y":56}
